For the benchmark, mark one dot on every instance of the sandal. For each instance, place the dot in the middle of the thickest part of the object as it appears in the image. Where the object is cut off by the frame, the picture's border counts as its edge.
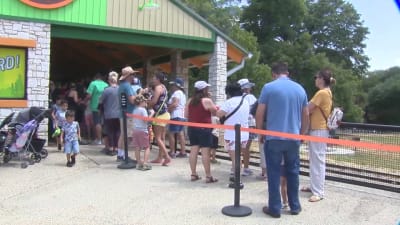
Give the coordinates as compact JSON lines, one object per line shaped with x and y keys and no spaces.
{"x":194,"y":177}
{"x":315,"y":198}
{"x":305,"y":189}
{"x":211,"y":180}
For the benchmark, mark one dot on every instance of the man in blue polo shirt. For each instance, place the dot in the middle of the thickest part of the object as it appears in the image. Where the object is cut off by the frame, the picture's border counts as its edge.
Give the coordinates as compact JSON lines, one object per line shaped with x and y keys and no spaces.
{"x":282,"y":107}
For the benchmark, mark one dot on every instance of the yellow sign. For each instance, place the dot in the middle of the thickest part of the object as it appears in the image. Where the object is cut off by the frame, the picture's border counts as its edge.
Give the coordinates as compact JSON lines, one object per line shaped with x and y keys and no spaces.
{"x":12,"y":73}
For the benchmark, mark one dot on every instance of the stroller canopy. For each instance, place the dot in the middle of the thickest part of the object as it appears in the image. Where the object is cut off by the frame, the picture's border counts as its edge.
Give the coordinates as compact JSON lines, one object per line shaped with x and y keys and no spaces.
{"x":31,"y":113}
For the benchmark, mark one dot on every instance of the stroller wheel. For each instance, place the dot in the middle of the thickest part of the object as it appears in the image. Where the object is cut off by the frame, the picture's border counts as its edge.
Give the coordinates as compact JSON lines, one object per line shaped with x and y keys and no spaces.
{"x":7,"y":158}
{"x":36,"y":157}
{"x":24,"y":165}
{"x":44,"y":153}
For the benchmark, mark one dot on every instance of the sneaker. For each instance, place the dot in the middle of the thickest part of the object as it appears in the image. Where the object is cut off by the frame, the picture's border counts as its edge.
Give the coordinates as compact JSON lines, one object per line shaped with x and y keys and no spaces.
{"x":247,"y":172}
{"x":96,"y":142}
{"x":120,"y":158}
{"x":73,"y":160}
{"x":139,"y":167}
{"x":69,"y":164}
{"x":181,"y":155}
{"x":147,"y":167}
{"x":285,"y":206}
{"x":172,"y":155}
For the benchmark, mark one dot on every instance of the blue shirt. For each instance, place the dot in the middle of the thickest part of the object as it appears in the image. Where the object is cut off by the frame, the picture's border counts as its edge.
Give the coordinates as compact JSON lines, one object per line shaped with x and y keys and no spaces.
{"x":125,"y":87}
{"x":71,"y":131}
{"x":285,"y":100}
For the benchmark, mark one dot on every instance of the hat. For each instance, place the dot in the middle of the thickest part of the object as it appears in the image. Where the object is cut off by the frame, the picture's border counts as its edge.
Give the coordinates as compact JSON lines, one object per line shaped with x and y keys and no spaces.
{"x":177,"y":82}
{"x":126,"y":72}
{"x":245,"y":83}
{"x":200,"y":85}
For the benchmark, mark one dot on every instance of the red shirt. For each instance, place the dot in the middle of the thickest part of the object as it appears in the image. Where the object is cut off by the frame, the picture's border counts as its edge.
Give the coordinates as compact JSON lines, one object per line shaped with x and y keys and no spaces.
{"x":198,"y":114}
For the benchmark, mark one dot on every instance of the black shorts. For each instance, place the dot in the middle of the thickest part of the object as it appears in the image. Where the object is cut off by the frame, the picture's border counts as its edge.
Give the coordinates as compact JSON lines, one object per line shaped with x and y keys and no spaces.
{"x":201,"y":137}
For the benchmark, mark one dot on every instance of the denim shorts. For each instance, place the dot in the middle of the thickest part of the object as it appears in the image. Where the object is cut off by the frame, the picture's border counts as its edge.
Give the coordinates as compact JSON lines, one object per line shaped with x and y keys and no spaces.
{"x":96,"y":118}
{"x":71,"y":147}
{"x":201,"y":137}
{"x":174,"y":128}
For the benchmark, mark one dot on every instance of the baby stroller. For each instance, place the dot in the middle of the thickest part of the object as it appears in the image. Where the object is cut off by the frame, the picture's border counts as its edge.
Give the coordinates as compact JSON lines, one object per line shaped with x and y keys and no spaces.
{"x":21,"y":140}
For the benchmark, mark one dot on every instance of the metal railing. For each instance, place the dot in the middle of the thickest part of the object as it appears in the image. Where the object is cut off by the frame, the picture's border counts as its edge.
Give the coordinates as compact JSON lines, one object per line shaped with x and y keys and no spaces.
{"x":373,"y":168}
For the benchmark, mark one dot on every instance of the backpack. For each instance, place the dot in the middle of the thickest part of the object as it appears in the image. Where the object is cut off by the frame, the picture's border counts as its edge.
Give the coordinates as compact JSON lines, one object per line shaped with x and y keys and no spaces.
{"x":334,"y":118}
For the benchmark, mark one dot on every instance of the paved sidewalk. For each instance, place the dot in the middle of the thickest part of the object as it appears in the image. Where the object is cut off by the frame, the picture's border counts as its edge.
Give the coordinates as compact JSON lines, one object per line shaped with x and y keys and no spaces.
{"x":96,"y":192}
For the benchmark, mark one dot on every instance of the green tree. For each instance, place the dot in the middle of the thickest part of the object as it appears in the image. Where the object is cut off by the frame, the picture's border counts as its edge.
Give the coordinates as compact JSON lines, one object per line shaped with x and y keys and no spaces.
{"x":383,"y":96}
{"x":225,"y":15}
{"x":336,"y":30}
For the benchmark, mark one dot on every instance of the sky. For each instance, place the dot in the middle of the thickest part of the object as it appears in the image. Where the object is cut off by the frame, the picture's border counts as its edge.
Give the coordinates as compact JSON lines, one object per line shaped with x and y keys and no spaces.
{"x":382,"y":17}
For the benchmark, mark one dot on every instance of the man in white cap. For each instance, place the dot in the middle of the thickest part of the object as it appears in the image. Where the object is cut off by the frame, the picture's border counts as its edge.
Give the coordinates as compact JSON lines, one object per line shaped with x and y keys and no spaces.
{"x":246,"y":86}
{"x":126,"y":79}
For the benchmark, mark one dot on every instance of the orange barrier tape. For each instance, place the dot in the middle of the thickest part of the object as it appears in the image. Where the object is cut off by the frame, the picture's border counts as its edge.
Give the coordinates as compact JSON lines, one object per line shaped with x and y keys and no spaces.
{"x":360,"y":144}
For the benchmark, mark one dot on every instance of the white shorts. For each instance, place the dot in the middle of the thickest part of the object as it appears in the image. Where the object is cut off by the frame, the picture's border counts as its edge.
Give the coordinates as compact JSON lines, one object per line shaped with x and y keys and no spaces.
{"x":230,"y":145}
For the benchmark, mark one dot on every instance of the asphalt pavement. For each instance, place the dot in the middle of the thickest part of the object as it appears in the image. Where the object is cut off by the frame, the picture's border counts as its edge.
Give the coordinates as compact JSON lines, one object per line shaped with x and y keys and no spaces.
{"x":95,"y":191}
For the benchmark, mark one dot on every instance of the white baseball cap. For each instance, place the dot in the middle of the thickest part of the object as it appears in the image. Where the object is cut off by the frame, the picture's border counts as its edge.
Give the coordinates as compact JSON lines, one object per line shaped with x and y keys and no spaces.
{"x":245,"y":83}
{"x":200,"y":85}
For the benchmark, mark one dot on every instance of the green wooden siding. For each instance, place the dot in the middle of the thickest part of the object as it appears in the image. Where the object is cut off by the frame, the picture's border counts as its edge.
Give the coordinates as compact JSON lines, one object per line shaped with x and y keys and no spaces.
{"x":91,"y":12}
{"x":168,"y":18}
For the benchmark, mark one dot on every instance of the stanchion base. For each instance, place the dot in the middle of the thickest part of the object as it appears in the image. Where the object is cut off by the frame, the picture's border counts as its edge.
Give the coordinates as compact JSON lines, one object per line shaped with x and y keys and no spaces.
{"x":236,"y":211}
{"x":127,"y":165}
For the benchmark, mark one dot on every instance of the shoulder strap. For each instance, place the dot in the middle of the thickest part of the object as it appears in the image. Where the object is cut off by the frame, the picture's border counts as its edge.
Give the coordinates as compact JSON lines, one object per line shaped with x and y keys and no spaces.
{"x":323,"y":114}
{"x":236,"y":109}
{"x":162,"y":104}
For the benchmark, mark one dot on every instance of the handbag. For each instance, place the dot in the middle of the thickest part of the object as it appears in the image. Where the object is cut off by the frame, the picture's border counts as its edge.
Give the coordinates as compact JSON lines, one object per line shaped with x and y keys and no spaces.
{"x":224,"y":118}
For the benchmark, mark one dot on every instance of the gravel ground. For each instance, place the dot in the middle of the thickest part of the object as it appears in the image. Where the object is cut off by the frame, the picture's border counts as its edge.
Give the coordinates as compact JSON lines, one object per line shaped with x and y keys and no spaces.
{"x":96,"y":192}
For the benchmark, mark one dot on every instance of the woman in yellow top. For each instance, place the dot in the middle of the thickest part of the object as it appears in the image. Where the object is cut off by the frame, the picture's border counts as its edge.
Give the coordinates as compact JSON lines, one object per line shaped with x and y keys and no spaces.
{"x":319,"y":107}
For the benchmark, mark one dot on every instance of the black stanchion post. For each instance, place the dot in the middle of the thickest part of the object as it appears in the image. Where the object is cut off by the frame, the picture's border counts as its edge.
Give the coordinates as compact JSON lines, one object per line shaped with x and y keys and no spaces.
{"x":127,"y":163}
{"x":237,"y":210}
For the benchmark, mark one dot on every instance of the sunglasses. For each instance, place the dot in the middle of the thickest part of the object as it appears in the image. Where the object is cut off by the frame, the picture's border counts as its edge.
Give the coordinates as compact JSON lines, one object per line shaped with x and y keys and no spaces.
{"x":316,"y":77}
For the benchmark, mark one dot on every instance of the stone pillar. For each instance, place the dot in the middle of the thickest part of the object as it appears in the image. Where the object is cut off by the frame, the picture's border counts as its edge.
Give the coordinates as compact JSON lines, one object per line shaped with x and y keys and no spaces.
{"x":218,"y":72}
{"x":38,"y":64}
{"x":180,"y":68}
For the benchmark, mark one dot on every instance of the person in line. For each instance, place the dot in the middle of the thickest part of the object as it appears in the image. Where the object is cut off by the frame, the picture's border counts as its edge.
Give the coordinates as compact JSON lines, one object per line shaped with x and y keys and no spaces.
{"x":126,"y":88}
{"x":159,"y":104}
{"x":176,"y":106}
{"x":246,"y":87}
{"x":140,"y":134}
{"x":283,"y":105}
{"x":70,"y":136}
{"x":59,"y":118}
{"x":236,"y":111}
{"x":110,"y":108}
{"x":94,"y":91}
{"x":319,"y":107}
{"x":199,"y":109}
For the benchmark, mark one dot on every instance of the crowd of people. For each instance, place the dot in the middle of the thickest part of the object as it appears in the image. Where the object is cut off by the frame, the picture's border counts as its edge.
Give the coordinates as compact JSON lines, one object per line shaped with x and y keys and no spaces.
{"x":283,"y":106}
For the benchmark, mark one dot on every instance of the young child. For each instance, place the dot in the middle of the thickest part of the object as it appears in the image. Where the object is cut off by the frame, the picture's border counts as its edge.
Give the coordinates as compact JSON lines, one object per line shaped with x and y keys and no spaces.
{"x":140,"y":134}
{"x":58,"y":115}
{"x":70,"y":135}
{"x":285,"y":204}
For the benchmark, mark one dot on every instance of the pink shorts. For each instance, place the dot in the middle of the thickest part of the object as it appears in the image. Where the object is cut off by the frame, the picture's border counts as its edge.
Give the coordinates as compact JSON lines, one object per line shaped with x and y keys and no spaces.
{"x":230,"y":145}
{"x":140,"y":139}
